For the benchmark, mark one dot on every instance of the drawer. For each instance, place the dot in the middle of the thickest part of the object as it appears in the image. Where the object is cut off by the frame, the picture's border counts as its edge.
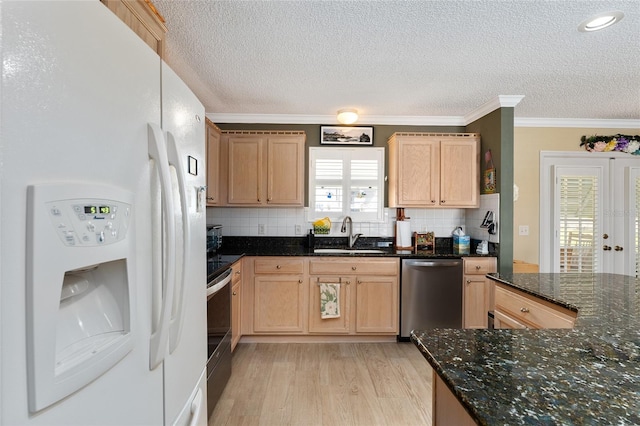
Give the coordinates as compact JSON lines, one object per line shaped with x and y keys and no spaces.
{"x":479,"y":265}
{"x":278,"y":265}
{"x":340,"y":266}
{"x":536,"y":313}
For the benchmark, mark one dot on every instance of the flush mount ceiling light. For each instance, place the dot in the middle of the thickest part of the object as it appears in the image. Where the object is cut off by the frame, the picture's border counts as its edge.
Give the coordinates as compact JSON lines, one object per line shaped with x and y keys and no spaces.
{"x":347,"y":115}
{"x":600,"y":21}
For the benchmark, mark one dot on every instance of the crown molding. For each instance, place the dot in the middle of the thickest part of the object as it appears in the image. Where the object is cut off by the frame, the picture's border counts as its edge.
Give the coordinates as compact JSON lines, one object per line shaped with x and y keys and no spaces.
{"x":386,"y":120}
{"x":595,"y":123}
{"x":500,"y":101}
{"x":379,"y":120}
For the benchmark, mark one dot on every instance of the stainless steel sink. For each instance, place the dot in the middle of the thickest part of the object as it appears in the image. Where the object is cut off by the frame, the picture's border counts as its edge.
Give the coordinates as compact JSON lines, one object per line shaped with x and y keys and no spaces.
{"x":346,"y":251}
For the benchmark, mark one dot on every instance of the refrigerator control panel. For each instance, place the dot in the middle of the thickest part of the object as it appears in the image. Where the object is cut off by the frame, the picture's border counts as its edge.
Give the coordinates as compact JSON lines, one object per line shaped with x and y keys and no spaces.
{"x":89,"y":222}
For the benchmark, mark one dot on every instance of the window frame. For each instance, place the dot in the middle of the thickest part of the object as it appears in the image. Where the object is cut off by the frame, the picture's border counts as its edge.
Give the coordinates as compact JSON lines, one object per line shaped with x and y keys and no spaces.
{"x":346,"y":154}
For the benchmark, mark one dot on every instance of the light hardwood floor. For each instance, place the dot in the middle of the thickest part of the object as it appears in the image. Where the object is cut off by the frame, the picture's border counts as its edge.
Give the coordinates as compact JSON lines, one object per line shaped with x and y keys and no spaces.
{"x":326,"y":384}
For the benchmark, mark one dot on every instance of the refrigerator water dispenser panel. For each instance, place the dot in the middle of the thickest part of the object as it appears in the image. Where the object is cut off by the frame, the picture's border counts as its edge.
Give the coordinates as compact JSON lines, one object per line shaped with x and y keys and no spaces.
{"x":89,"y":222}
{"x":80,"y":286}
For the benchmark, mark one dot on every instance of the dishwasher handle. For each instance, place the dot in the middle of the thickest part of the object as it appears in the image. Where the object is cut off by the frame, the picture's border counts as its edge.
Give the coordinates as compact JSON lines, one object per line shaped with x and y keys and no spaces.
{"x":431,"y":263}
{"x":446,"y":263}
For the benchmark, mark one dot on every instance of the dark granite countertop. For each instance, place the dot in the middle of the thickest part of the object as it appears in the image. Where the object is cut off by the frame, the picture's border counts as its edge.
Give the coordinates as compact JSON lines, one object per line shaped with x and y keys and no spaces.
{"x":588,"y":375}
{"x":298,"y":246}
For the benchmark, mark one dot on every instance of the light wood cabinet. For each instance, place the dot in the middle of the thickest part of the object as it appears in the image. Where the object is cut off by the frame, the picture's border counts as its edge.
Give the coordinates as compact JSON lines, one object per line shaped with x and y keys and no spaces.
{"x":377,"y":304}
{"x":213,"y":164}
{"x":477,"y":290}
{"x":447,"y":409}
{"x":144,"y":19}
{"x":434,"y":170}
{"x":340,"y":325}
{"x":517,"y":309}
{"x":264,"y":168}
{"x":279,"y":295}
{"x":369,"y":295}
{"x":236,"y":305}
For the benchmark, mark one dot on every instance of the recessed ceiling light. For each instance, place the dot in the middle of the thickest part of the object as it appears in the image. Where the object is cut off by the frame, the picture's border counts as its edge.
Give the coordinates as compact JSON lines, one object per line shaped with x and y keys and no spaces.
{"x":600,"y":21}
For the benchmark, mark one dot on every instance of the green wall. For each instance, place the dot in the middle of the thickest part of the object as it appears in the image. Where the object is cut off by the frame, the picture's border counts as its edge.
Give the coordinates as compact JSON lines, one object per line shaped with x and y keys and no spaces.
{"x":496,"y":131}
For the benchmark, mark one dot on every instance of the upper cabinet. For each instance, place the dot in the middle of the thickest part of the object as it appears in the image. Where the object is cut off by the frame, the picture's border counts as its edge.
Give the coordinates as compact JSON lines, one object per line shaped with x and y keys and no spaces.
{"x":264,"y":168}
{"x":213,"y":164}
{"x":143,"y":18}
{"x":434,"y":170}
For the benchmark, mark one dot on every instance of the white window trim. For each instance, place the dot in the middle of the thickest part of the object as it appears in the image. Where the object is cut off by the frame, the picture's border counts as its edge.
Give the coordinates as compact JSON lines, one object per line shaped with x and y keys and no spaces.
{"x":351,"y":153}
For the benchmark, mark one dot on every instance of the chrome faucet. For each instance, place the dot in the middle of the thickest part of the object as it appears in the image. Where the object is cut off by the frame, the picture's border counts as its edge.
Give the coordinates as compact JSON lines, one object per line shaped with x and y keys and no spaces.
{"x":347,"y":224}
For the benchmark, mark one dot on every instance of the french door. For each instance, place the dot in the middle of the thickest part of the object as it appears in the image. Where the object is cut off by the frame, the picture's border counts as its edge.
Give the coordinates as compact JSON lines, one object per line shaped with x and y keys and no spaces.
{"x":589,"y":207}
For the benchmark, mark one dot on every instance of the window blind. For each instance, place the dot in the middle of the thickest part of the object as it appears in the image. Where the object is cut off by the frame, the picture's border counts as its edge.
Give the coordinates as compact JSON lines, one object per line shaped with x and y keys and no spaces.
{"x":578,"y":223}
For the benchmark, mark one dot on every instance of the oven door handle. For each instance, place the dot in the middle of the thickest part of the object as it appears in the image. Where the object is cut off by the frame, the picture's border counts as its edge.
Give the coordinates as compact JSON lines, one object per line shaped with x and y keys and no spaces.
{"x":225,"y":278}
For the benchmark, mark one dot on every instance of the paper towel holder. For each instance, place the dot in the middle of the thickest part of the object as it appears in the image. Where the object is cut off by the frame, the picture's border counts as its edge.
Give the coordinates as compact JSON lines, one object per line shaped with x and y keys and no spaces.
{"x":424,"y":242}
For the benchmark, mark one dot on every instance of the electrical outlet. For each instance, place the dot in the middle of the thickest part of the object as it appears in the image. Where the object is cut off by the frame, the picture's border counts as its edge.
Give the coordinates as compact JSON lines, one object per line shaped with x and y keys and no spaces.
{"x":261,"y":229}
{"x":523,"y":230}
{"x":298,"y":229}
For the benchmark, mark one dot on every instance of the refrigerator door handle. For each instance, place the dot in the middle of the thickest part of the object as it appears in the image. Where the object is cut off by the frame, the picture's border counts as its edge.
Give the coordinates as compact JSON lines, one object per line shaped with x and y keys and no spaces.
{"x":176,"y":321}
{"x":166,"y":285}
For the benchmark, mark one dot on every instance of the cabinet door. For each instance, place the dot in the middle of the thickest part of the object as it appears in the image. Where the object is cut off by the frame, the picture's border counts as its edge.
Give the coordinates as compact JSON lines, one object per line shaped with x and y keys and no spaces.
{"x":460,"y":173}
{"x":338,"y":325}
{"x":377,"y":304}
{"x":475,"y":301}
{"x":236,"y":313}
{"x":418,"y":176}
{"x":213,"y":165}
{"x":279,"y":304}
{"x":245,"y":170}
{"x":285,"y":170}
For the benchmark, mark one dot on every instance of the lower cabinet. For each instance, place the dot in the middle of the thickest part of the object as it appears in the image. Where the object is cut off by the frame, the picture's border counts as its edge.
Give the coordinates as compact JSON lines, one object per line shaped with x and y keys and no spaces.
{"x":236,"y":306}
{"x":368,"y":295}
{"x":279,"y":295}
{"x":477,"y":290}
{"x":340,"y":324}
{"x":516,"y":309}
{"x":284,"y":296}
{"x":447,"y":410}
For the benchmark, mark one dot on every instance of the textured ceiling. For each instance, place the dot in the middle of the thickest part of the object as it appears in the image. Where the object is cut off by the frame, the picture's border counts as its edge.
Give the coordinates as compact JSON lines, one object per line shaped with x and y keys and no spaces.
{"x":439,"y":58}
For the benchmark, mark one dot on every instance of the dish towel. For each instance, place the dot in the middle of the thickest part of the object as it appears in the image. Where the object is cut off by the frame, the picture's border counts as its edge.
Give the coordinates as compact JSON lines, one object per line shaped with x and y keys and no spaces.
{"x":329,"y":300}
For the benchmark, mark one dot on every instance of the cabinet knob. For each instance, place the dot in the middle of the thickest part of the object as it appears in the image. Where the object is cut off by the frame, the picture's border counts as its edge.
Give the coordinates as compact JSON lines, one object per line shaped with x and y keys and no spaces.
{"x":353,"y":268}
{"x":210,"y":198}
{"x":606,"y":248}
{"x":433,"y":201}
{"x":237,"y":272}
{"x":442,"y":201}
{"x":618,"y":248}
{"x":278,"y":266}
{"x":468,"y":281}
{"x":478,"y":267}
{"x":524,"y":310}
{"x":359,"y":281}
{"x":300,"y":281}
{"x":348,"y":282}
{"x":234,"y":293}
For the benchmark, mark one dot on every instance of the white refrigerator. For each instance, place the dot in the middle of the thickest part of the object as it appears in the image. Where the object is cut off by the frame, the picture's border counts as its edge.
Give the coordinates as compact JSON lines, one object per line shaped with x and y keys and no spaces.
{"x":102,"y":230}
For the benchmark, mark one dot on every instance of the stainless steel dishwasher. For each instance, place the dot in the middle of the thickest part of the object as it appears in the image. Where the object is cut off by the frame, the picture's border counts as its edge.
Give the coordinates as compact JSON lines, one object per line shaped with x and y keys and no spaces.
{"x":431,"y":294}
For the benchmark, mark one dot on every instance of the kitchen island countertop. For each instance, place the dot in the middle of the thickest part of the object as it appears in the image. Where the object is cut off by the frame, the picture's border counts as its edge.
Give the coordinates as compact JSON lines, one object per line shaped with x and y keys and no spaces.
{"x":587,"y":375}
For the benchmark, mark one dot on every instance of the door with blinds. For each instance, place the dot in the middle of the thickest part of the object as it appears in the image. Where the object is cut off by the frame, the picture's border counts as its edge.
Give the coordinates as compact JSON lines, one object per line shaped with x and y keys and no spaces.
{"x":589,"y":204}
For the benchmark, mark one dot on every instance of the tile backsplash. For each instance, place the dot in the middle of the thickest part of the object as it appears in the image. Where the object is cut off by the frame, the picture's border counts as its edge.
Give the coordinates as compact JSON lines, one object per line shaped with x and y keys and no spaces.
{"x":282,"y":222}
